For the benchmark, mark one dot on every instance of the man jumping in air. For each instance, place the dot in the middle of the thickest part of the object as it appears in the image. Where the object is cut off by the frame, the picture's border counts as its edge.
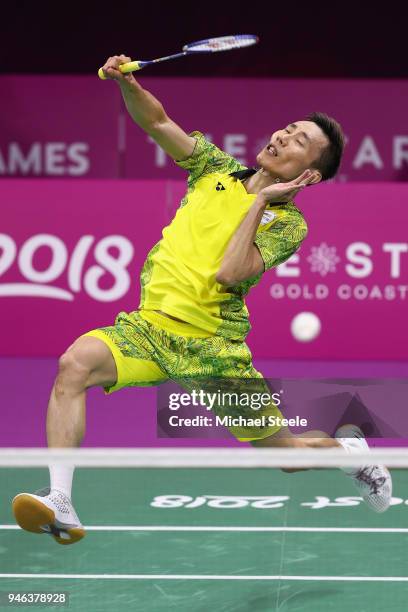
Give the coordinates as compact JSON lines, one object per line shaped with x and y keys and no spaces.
{"x":233,"y":224}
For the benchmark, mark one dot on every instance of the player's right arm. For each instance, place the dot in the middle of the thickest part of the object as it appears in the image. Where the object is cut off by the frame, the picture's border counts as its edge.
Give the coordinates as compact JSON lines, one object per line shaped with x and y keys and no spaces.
{"x":149,"y":113}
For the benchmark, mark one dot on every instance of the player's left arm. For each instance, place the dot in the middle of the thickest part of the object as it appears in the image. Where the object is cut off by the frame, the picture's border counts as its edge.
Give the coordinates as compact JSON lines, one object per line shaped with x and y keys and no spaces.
{"x":243,"y":259}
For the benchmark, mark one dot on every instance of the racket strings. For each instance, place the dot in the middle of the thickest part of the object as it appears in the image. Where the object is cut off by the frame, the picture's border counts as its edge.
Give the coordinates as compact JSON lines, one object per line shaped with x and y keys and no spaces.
{"x":223,"y":43}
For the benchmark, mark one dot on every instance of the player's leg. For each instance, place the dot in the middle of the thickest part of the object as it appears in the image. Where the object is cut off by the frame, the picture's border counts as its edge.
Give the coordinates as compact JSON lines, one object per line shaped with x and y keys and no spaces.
{"x":88,"y":362}
{"x":112,"y":357}
{"x":284,"y":438}
{"x":373,"y":481}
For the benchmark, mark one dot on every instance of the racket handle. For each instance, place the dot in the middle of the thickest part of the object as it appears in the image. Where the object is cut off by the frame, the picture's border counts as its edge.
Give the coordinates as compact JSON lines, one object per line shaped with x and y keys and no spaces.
{"x":124,"y":68}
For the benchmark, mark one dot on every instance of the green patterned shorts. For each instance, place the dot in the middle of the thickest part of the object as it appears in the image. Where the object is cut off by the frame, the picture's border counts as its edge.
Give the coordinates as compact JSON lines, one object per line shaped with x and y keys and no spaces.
{"x":148,"y":354}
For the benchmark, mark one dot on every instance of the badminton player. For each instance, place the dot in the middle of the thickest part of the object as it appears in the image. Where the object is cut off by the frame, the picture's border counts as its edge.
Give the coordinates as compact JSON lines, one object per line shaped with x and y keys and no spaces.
{"x":234,"y":223}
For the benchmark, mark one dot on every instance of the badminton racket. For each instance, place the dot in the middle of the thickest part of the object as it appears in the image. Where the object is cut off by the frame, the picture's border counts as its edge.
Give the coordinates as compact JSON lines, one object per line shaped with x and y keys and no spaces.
{"x":209,"y":45}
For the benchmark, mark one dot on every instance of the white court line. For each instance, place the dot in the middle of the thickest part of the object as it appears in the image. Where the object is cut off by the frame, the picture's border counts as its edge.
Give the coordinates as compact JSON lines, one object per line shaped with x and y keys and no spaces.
{"x":209,"y":577}
{"x":238,"y":529}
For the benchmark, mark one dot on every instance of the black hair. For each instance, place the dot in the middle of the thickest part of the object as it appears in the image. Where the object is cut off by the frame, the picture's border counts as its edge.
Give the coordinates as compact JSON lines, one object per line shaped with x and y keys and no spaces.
{"x":329,"y":161}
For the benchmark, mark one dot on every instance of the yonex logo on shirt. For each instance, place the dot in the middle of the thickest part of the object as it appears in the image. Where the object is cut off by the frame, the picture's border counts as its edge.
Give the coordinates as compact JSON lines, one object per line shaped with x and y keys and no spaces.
{"x":220,"y":187}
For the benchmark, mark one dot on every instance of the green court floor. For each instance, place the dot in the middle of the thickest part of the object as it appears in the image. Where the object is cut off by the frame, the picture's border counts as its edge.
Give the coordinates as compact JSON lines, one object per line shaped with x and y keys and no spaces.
{"x":217,"y":539}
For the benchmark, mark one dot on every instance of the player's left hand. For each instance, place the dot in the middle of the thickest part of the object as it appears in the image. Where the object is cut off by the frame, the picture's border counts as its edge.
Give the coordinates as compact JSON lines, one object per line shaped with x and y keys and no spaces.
{"x":285,"y":192}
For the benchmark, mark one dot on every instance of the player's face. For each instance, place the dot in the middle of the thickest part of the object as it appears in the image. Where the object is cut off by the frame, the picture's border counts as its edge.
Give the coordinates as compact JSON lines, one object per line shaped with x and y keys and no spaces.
{"x":292,"y":150}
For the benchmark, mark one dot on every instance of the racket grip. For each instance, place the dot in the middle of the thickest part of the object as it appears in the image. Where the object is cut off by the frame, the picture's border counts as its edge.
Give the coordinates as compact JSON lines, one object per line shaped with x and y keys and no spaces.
{"x":124,"y":68}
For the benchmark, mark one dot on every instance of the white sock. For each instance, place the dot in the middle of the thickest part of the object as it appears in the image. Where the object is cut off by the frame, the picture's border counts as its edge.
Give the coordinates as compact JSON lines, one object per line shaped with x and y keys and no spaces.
{"x":61,"y":478}
{"x":345,"y":443}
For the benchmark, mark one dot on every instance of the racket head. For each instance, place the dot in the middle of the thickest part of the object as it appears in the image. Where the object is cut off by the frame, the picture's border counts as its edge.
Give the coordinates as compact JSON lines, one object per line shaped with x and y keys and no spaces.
{"x":221,"y":43}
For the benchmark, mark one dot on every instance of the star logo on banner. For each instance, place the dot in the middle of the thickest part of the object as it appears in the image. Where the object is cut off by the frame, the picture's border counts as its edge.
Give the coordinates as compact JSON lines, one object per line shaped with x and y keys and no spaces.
{"x":323,"y":259}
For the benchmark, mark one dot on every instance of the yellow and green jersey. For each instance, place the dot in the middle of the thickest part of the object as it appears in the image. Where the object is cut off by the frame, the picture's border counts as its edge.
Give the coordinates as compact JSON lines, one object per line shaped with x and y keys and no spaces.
{"x":178,"y":276}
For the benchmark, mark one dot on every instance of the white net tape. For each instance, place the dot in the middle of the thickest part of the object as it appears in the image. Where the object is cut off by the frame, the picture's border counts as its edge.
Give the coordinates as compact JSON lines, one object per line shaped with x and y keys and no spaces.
{"x":201,"y":457}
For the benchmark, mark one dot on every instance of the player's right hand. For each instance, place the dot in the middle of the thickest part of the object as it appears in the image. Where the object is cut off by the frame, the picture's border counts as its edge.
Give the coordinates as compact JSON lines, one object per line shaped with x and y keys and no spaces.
{"x":285,"y":192}
{"x":111,"y":68}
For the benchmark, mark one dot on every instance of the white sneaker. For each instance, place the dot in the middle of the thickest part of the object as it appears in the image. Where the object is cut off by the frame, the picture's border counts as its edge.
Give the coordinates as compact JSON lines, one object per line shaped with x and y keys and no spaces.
{"x":49,"y":512}
{"x":373,"y":482}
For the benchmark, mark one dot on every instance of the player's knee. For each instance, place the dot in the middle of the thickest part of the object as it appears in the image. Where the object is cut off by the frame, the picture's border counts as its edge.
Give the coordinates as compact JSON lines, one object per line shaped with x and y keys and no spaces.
{"x":74,"y":368}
